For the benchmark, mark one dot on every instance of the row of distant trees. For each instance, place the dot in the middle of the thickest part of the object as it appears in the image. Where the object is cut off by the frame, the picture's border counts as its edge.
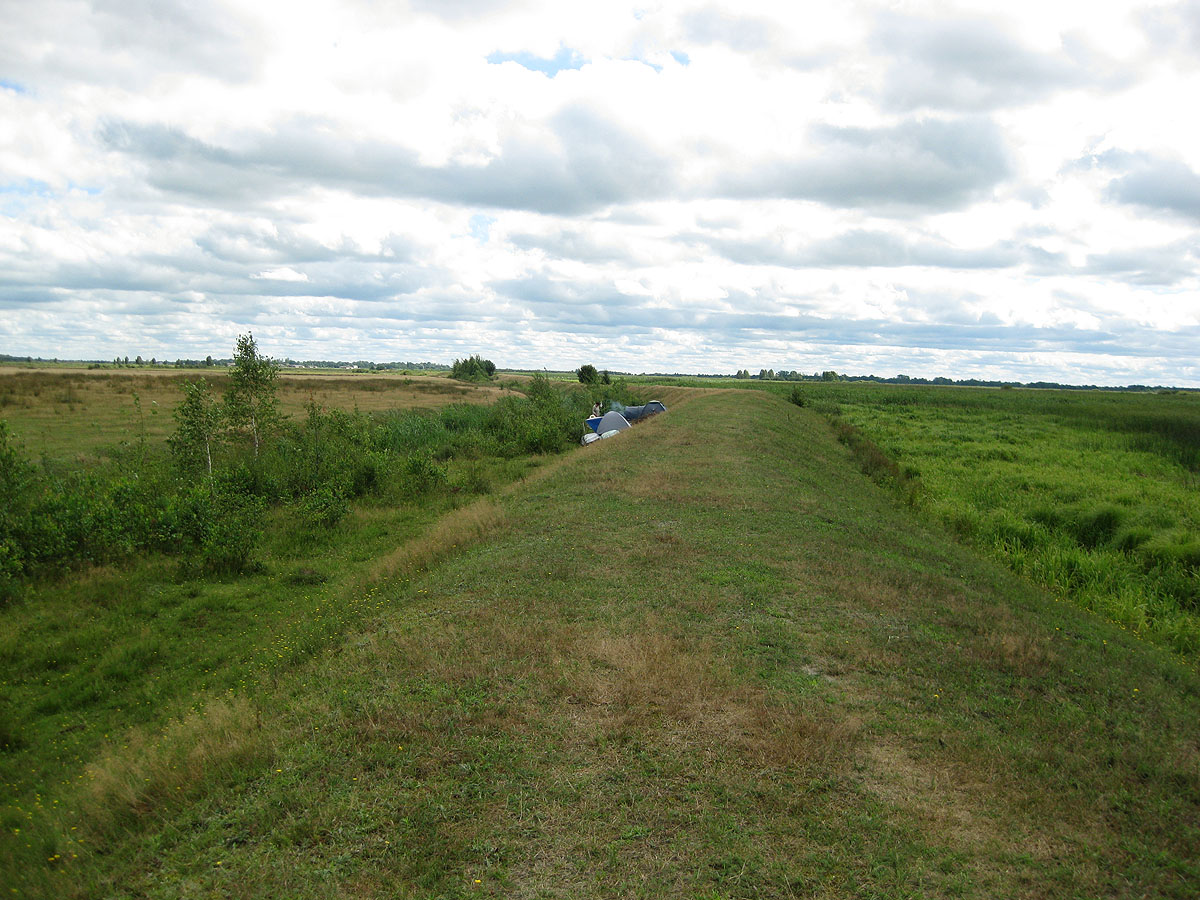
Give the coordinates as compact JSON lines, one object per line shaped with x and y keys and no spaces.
{"x":124,"y":362}
{"x":476,"y":368}
{"x":785,"y":375}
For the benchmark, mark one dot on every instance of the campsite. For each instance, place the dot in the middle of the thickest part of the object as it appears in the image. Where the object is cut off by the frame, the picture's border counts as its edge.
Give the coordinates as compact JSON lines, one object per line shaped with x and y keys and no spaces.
{"x":742,"y":651}
{"x":460,"y":449}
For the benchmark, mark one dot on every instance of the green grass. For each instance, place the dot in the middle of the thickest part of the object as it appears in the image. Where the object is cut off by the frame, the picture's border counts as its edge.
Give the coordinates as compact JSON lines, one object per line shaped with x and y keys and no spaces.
{"x":1094,"y":495}
{"x":706,"y":659}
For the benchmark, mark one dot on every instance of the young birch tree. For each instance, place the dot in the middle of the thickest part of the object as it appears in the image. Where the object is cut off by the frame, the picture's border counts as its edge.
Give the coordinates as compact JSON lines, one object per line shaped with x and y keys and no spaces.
{"x":198,"y":420}
{"x":251,"y":400}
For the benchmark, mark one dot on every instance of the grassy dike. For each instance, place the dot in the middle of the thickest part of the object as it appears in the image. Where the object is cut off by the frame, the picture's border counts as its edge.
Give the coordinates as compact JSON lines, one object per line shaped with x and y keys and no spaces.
{"x":706,"y":659}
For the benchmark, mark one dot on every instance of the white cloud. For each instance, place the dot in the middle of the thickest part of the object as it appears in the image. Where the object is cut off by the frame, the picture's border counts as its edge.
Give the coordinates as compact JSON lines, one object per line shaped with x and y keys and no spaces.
{"x":975,"y":190}
{"x":283,"y":273}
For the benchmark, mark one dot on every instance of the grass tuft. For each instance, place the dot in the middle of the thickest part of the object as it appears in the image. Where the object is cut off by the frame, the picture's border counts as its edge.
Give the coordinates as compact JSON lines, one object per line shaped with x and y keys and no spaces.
{"x":449,"y":534}
{"x":149,"y":775}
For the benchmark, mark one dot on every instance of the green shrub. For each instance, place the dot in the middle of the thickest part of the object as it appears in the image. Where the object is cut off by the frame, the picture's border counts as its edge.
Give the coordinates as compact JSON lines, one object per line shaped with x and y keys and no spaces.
{"x":473,"y":368}
{"x":332,"y":449}
{"x":16,"y":494}
{"x":324,"y":507}
{"x":232,"y":532}
{"x":422,"y":475}
{"x":11,"y":569}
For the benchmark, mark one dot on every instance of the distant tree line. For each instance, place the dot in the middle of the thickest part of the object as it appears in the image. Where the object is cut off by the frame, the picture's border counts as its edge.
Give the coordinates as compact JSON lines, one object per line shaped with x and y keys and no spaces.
{"x":763,"y":374}
{"x":830,"y":375}
{"x":365,"y":364}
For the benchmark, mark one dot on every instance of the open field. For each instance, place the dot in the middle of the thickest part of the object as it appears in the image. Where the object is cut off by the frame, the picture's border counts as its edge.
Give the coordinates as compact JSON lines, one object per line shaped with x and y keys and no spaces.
{"x":707,"y":659}
{"x":74,"y":413}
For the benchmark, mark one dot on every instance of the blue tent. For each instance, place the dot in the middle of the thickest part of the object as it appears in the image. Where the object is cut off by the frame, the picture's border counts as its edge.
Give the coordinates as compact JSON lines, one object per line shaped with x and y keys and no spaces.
{"x":627,"y":415}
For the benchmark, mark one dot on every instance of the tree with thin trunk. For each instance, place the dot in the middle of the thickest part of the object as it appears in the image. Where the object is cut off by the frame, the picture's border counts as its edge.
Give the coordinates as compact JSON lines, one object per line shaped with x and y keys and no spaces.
{"x":251,"y":400}
{"x":198,"y":422}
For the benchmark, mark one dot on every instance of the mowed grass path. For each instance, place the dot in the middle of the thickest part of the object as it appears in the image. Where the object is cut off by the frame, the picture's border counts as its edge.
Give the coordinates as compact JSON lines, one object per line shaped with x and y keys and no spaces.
{"x":705,"y":659}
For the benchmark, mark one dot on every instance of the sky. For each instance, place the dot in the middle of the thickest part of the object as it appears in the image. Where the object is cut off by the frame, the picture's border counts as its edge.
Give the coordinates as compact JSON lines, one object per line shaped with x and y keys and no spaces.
{"x":1007,"y":191}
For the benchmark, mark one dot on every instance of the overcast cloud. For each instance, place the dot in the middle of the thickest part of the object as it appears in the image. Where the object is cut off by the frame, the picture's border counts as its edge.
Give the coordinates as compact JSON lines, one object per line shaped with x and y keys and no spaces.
{"x":964,"y":189}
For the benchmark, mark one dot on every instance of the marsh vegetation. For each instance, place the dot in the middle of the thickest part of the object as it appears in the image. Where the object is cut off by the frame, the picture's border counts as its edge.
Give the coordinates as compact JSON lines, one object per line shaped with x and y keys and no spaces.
{"x":1093,"y":495}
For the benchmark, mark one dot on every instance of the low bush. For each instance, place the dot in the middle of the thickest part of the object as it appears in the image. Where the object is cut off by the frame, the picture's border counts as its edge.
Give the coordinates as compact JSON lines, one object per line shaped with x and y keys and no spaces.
{"x":422,"y":475}
{"x":324,"y":507}
{"x":232,"y":531}
{"x":473,"y":368}
{"x":1130,"y":538}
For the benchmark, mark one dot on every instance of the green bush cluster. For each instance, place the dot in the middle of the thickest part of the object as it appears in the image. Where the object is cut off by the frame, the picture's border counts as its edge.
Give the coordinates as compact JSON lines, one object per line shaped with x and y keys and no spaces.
{"x":206,"y":501}
{"x":50,"y":522}
{"x":473,"y":368}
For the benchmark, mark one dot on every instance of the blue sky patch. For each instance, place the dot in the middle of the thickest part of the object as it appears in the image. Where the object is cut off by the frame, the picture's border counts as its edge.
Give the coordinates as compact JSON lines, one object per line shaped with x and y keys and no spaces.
{"x":16,"y":196}
{"x":565,"y":58}
{"x":13,"y":86}
{"x":645,"y":62}
{"x":26,"y":187}
{"x":680,"y":57}
{"x":480,"y":224}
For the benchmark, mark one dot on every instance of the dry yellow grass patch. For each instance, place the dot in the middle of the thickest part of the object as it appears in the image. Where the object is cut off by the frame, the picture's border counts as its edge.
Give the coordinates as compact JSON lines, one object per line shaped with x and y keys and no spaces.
{"x":962,"y":806}
{"x":377,"y":393}
{"x":77,"y":413}
{"x":1025,"y":655}
{"x":452,"y":531}
{"x":148,"y":771}
{"x":687,"y":694}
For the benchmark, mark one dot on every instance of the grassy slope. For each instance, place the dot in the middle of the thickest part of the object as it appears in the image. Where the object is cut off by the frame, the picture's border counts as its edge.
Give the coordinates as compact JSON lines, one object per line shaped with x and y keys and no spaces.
{"x":708,"y":659}
{"x":1091,"y":494}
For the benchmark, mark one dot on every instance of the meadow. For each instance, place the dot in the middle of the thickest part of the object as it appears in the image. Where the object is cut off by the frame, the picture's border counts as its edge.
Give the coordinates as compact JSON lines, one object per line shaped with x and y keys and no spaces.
{"x":79,"y":415}
{"x":707,"y":659}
